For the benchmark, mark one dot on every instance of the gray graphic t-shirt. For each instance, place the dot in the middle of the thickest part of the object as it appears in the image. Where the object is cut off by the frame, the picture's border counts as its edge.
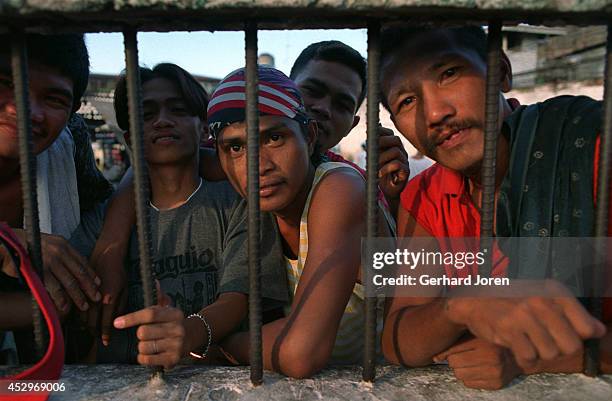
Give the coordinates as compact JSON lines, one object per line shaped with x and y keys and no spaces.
{"x":199,"y":252}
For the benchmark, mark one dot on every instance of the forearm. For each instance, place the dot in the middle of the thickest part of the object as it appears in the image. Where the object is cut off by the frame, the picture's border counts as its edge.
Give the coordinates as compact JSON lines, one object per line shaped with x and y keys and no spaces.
{"x":118,"y":222}
{"x":15,"y":310}
{"x":413,"y":335}
{"x":282,"y":352}
{"x":574,"y":363}
{"x":238,"y":346}
{"x":223,"y":316}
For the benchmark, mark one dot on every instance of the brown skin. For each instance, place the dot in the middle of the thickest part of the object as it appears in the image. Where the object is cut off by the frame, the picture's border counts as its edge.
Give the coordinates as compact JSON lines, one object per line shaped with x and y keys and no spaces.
{"x":173,"y":167}
{"x":436,"y":95}
{"x":301,"y":343}
{"x":68,"y":277}
{"x":331,"y":91}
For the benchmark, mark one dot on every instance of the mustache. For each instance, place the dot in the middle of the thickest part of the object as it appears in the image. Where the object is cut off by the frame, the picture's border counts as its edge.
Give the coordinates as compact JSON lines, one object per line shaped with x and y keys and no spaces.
{"x":437,"y":132}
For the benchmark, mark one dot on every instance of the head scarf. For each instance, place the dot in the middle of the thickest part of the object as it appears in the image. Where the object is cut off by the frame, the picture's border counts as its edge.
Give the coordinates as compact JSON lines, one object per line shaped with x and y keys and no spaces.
{"x":278,"y":96}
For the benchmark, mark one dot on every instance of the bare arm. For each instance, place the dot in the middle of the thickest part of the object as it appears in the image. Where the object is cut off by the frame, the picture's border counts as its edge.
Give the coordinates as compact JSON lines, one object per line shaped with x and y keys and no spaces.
{"x":109,"y":254}
{"x":300,"y":344}
{"x":223,"y":316}
{"x":416,"y":329}
{"x":15,"y":310}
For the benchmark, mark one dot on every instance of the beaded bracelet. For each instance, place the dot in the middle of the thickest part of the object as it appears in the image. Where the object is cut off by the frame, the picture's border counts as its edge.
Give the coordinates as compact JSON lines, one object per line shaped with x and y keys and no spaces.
{"x":203,"y":319}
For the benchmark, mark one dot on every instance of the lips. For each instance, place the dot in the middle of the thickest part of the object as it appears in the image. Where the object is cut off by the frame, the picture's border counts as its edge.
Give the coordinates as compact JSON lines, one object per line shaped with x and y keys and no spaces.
{"x":165,"y":138}
{"x":451,"y":138}
{"x":269,"y":186}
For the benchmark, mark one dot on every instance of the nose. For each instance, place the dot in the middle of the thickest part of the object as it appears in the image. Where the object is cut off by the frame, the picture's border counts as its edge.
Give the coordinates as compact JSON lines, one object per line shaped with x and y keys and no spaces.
{"x":266,"y":164}
{"x":163,"y":119}
{"x":321,"y":108}
{"x":438,"y":107}
{"x":37,"y":114}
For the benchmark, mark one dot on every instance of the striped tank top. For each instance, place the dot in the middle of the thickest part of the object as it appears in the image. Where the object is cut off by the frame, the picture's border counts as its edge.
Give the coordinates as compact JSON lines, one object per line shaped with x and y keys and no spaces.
{"x":349,"y":345}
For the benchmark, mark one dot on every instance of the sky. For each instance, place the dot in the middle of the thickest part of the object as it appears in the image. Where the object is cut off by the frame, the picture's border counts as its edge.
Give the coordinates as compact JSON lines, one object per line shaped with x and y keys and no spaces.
{"x":212,"y":54}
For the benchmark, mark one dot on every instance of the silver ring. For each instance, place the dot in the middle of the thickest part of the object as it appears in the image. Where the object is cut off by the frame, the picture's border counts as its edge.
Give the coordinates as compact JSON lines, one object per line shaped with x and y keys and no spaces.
{"x":155,"y":347}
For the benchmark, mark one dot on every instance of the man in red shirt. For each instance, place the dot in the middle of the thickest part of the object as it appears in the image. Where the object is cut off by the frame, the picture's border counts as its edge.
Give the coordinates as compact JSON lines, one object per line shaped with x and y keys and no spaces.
{"x":433,"y":83}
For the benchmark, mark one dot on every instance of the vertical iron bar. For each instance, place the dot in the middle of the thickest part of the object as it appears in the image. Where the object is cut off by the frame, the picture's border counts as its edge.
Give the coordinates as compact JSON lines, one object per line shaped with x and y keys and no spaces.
{"x":252,"y":123}
{"x":369,"y":355}
{"x":494,"y":43}
{"x":141,"y":177}
{"x":27,"y":164}
{"x":591,"y":354}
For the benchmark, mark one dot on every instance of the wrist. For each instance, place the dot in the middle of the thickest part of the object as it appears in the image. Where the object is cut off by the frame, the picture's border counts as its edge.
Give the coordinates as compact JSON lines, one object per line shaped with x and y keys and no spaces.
{"x":458,"y":310}
{"x":202,"y":337}
{"x":196,"y":335}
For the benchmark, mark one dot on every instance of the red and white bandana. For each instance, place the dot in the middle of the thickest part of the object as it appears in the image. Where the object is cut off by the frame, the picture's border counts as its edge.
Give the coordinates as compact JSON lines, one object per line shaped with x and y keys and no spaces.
{"x":278,"y":96}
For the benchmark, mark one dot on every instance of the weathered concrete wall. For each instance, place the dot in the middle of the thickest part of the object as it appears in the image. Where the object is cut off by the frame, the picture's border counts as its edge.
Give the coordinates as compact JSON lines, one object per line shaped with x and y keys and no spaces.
{"x":29,"y":6}
{"x":117,"y":383}
{"x":162,"y":15}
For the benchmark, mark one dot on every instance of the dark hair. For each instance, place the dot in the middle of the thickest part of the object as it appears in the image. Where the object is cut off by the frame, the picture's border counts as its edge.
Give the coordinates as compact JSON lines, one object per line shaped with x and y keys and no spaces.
{"x":337,"y":52}
{"x":66,"y":53}
{"x":195,"y":96}
{"x":394,"y":36}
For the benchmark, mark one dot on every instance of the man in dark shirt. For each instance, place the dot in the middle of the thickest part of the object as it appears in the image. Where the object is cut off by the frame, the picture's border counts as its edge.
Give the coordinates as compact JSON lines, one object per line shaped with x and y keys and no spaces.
{"x":58,"y":75}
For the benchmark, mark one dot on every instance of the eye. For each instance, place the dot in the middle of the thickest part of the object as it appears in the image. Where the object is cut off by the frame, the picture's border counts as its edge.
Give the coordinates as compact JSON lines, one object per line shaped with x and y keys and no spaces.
{"x":346,"y":107}
{"x":179,"y":109}
{"x":274,"y":139}
{"x":406,"y":102}
{"x":449,"y":73}
{"x":236,"y":148}
{"x":58,"y":102}
{"x":311,"y":91}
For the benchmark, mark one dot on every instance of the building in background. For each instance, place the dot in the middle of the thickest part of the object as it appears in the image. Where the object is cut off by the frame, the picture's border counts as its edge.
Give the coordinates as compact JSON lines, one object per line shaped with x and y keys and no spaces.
{"x":266,"y":59}
{"x":546,"y":62}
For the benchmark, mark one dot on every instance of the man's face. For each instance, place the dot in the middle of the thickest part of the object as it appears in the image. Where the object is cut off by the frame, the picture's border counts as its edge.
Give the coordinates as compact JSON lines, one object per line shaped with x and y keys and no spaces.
{"x":331,"y":91}
{"x":284,"y":160}
{"x":436,"y":93}
{"x":51,"y":96}
{"x":171,"y":133}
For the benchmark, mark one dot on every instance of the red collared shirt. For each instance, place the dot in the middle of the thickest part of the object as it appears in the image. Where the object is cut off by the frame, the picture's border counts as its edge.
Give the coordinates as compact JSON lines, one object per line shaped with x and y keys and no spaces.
{"x":439,"y":201}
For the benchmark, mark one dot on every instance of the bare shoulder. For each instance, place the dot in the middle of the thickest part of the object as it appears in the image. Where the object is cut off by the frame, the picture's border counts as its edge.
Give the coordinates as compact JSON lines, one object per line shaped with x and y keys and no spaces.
{"x":340,"y":193}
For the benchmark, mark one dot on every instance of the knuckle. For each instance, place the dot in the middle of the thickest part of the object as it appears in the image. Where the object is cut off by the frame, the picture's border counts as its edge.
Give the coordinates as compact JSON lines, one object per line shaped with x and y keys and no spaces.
{"x":150,"y":314}
{"x":180,"y":331}
{"x":573,"y":348}
{"x":141,"y":333}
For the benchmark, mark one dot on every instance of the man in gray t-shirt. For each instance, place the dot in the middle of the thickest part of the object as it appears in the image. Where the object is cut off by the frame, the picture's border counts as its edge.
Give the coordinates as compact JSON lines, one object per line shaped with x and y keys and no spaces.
{"x":200,"y":252}
{"x":198,"y":232}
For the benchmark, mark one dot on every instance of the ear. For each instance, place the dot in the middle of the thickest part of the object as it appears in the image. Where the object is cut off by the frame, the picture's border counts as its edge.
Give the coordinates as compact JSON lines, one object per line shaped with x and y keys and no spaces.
{"x":204,"y":134}
{"x":506,"y":73}
{"x":356,"y":120}
{"x":312,"y":133}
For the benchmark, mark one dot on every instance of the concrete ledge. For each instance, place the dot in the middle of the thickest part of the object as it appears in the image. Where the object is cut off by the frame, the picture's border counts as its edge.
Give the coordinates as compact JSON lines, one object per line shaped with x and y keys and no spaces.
{"x":162,"y":15}
{"x":125,"y":382}
{"x":74,"y":6}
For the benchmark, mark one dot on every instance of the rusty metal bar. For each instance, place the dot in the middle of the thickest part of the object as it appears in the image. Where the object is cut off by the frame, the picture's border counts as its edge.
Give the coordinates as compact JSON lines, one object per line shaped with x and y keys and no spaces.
{"x":591,"y":354}
{"x":252,"y":123}
{"x":369,"y":353}
{"x":494,"y":44}
{"x":141,"y":176}
{"x":27,"y":165}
